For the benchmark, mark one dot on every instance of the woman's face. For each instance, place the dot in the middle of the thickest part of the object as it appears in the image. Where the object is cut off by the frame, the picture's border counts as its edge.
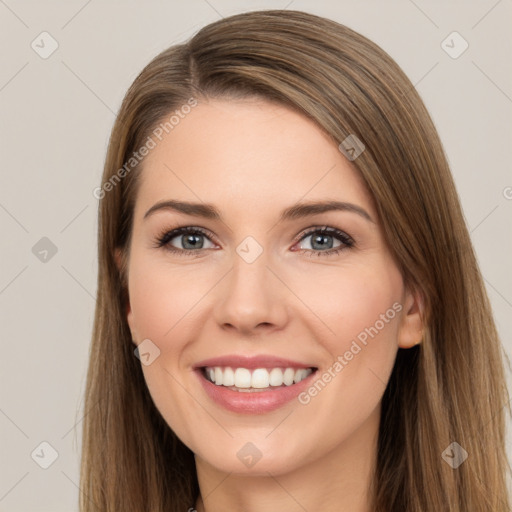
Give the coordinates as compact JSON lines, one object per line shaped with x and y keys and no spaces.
{"x":261,"y":283}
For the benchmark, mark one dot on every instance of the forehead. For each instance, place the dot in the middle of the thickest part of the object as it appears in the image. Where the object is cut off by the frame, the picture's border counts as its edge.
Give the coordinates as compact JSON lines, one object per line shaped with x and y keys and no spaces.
{"x":250,"y":154}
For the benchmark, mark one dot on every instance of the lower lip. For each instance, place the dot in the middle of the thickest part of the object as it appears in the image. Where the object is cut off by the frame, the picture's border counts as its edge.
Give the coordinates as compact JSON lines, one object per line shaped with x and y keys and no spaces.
{"x":257,"y":402}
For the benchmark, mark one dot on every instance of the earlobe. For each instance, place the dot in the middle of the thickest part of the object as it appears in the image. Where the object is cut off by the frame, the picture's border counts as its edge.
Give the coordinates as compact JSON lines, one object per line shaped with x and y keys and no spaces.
{"x":411,"y":325}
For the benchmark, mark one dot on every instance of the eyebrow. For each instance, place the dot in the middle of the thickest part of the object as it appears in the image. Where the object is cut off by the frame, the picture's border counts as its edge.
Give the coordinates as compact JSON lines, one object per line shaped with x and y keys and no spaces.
{"x":297,"y":211}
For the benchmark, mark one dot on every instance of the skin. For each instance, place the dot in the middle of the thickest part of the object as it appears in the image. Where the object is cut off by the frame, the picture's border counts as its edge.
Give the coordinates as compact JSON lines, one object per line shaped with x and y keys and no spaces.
{"x":252,"y":159}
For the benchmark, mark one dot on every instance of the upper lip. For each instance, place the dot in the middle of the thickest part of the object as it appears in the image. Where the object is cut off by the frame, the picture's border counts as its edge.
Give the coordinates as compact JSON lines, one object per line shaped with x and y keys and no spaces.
{"x":252,"y":362}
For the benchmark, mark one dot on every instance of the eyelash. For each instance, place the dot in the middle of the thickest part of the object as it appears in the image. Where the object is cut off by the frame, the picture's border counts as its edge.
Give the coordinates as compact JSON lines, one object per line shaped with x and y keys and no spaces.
{"x":162,"y":241}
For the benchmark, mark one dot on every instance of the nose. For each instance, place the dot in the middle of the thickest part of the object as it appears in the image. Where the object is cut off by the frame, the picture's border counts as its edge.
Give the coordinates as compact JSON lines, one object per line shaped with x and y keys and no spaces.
{"x":250,"y":299}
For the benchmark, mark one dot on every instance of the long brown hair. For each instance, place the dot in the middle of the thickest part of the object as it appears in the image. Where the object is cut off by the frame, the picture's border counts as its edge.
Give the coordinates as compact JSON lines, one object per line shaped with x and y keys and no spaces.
{"x":450,"y":388}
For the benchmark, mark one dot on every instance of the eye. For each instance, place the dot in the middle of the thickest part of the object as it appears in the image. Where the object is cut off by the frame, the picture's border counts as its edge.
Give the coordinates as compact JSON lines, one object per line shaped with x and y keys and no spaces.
{"x":323,"y":241}
{"x":188,"y":240}
{"x":191,"y":239}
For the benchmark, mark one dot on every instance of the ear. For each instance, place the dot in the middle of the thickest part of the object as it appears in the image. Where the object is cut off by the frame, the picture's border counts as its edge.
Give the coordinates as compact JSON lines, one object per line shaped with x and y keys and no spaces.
{"x":121,"y":266}
{"x":410,"y":331}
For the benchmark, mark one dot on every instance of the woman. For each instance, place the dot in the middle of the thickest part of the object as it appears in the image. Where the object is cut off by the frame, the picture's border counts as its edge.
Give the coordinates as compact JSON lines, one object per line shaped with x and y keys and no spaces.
{"x":290,"y":315}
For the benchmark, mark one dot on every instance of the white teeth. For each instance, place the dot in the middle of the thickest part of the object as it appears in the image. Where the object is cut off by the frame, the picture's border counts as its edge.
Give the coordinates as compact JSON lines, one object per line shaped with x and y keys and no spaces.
{"x":288,"y":375}
{"x":300,"y":374}
{"x":218,"y":374}
{"x":242,"y":378}
{"x":228,"y":379}
{"x":276,"y":377}
{"x":259,"y":378}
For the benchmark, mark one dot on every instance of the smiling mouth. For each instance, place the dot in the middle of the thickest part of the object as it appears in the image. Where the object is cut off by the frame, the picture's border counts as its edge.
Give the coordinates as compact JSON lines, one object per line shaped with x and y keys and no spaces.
{"x":255,"y":380}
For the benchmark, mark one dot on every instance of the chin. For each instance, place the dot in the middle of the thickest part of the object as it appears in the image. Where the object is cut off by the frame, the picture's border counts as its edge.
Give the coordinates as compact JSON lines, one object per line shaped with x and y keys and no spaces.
{"x":252,"y":458}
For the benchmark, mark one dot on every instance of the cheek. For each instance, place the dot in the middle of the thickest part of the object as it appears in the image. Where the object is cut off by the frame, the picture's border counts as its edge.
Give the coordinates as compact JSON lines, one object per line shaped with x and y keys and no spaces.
{"x":163,"y":302}
{"x":361,"y":307}
{"x":352,"y":302}
{"x":162,"y":297}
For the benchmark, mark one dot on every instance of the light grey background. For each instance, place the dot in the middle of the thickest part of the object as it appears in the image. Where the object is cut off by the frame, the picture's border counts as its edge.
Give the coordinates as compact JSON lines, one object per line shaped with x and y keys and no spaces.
{"x":56,"y":116}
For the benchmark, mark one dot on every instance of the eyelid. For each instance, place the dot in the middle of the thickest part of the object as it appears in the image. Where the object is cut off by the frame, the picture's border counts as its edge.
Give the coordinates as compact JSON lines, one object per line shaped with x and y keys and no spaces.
{"x":171,"y":233}
{"x":324,"y":229}
{"x":342,"y":236}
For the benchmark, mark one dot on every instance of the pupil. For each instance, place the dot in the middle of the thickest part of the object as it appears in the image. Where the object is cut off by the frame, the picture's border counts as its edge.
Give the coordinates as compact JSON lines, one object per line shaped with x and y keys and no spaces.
{"x":321,"y":239}
{"x":191,"y":242}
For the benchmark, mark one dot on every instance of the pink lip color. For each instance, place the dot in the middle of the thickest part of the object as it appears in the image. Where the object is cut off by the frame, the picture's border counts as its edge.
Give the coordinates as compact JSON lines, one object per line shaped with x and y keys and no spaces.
{"x":257,"y":402}
{"x":252,"y":362}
